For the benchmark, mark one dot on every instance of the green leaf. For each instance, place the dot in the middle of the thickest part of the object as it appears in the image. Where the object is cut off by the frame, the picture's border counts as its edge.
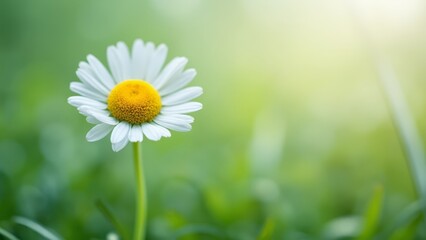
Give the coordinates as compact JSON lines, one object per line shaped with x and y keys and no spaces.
{"x":267,"y":230}
{"x":112,"y":219}
{"x":372,"y":214}
{"x":36,"y":227}
{"x":7,"y":234}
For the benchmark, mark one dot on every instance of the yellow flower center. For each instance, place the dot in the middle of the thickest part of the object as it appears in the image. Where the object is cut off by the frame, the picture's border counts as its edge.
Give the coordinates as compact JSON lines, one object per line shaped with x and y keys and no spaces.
{"x":134,"y":101}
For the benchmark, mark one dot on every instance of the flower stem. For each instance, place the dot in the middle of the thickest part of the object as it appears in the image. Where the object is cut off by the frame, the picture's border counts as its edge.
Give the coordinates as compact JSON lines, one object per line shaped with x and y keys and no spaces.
{"x":140,"y":218}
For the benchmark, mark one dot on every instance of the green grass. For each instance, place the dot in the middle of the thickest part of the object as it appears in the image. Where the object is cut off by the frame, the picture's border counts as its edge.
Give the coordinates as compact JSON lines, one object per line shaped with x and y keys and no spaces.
{"x":296,"y":139}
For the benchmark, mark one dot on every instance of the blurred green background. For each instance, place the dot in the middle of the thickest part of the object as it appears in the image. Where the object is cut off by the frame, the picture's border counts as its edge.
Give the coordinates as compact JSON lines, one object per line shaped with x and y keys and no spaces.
{"x":295,"y":126}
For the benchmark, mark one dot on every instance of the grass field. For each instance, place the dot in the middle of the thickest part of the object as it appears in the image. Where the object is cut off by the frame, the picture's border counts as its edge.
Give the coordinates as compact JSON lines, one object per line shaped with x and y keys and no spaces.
{"x":302,"y":134}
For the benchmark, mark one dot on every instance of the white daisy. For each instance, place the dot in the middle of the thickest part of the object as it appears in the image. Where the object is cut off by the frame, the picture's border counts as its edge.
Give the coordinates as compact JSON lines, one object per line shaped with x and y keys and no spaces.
{"x":138,"y":97}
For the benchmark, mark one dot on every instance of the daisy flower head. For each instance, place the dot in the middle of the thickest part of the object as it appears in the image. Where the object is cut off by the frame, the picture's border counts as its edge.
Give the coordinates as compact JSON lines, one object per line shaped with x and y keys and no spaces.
{"x":137,"y":97}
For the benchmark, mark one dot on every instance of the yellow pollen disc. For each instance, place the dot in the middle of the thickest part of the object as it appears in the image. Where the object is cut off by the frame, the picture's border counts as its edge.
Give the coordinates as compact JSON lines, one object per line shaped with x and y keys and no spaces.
{"x":134,"y":101}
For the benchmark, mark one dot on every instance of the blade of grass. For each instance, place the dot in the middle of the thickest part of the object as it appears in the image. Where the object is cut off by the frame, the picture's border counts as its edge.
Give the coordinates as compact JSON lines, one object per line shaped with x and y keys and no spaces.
{"x":267,"y":230}
{"x":407,"y":216}
{"x":407,"y":131}
{"x":408,"y":232}
{"x":111,"y":218}
{"x":7,"y":234}
{"x":36,"y":227}
{"x":372,"y":214}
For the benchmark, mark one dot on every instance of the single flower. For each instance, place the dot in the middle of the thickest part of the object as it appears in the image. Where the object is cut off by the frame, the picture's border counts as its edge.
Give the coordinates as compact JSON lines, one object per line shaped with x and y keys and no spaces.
{"x":138,"y":97}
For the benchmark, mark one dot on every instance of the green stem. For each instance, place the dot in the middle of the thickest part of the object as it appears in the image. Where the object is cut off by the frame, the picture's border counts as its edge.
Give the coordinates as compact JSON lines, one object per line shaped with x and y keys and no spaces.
{"x":140,"y":218}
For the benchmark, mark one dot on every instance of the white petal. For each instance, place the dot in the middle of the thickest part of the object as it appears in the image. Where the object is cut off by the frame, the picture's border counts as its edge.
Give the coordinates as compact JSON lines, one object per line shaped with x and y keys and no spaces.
{"x":181,"y":117}
{"x":86,"y":91}
{"x":164,"y":132}
{"x":144,"y":61}
{"x":138,"y":51}
{"x":136,"y":134}
{"x":89,"y":111}
{"x":187,"y":118}
{"x":120,"y":132}
{"x":100,"y":115}
{"x":105,"y":119}
{"x":78,"y":101}
{"x":182,"y":96}
{"x":174,"y":67}
{"x":92,"y":120}
{"x":173,"y":123}
{"x":114,"y":64}
{"x":182,"y":127}
{"x":154,"y":132}
{"x":98,"y":132}
{"x":124,"y":56}
{"x":178,"y":82}
{"x":86,"y":109}
{"x":150,"y":132}
{"x":183,"y":108}
{"x":101,"y":71}
{"x":120,"y":145}
{"x":85,"y":67}
{"x":156,"y":63}
{"x":87,"y":78}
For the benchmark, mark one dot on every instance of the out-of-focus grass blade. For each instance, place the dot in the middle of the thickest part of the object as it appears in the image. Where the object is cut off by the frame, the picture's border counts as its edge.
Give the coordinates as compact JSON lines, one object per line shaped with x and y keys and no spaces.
{"x":267,"y":230}
{"x":407,"y":216}
{"x":111,"y":218}
{"x":198,"y":229}
{"x":408,"y":232}
{"x":372,"y":214}
{"x":407,"y":131}
{"x":36,"y":227}
{"x":7,"y":234}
